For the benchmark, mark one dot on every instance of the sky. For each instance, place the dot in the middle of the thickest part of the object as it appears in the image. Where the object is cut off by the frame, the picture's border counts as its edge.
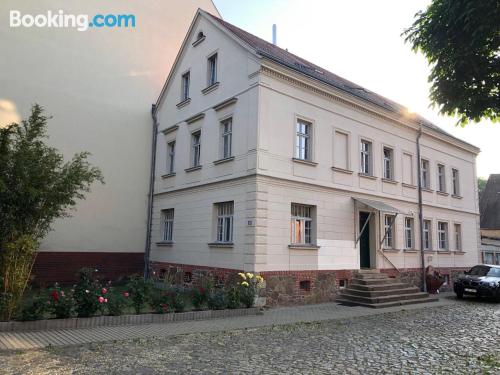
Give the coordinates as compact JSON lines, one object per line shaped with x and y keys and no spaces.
{"x":361,"y":40}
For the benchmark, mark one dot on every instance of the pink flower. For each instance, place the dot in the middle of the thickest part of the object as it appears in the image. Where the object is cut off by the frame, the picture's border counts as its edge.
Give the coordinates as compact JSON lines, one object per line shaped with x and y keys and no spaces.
{"x":55,"y":295}
{"x":125,"y":294}
{"x":101,"y":299}
{"x":105,"y":300}
{"x":62,"y":293}
{"x":104,"y":290}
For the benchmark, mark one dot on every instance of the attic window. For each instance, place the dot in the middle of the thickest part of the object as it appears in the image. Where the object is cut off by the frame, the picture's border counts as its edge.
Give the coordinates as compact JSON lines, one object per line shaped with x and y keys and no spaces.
{"x":199,"y":38}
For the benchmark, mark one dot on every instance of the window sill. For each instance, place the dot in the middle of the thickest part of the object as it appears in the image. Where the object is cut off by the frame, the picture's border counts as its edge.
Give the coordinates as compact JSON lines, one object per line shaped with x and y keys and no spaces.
{"x":444,"y":252}
{"x":222,"y":245}
{"x":410,"y":186}
{"x":390,"y":250}
{"x":198,"y":41}
{"x":183,"y":103}
{"x":303,"y":247}
{"x":443,"y":193}
{"x":342,"y":170}
{"x":456,"y":196}
{"x":225,"y":160}
{"x":224,"y":104}
{"x":170,"y":129}
{"x":430,"y":251}
{"x":194,"y":118}
{"x":168,"y":175}
{"x":389,"y":181}
{"x":459,"y":252}
{"x":307,"y":162}
{"x":210,"y":88}
{"x":165,"y":243}
{"x":427,"y":190}
{"x":410,"y":250}
{"x":192,"y":169}
{"x":369,"y":176}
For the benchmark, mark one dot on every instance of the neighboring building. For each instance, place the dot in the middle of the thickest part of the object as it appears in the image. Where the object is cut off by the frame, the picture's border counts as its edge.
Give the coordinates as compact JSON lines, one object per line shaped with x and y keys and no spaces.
{"x":269,"y":163}
{"x":98,"y":85}
{"x":489,"y":206}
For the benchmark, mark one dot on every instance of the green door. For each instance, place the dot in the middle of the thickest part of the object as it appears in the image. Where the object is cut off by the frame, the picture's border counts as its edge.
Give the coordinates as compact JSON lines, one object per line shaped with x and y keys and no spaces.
{"x":364,"y":241}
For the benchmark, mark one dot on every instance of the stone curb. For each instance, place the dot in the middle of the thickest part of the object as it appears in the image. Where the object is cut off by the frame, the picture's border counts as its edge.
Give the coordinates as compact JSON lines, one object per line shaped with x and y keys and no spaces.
{"x":123,"y":320}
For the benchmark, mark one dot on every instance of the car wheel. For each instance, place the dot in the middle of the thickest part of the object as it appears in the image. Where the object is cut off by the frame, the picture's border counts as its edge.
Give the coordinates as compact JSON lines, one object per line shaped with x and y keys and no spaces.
{"x":460,"y":295}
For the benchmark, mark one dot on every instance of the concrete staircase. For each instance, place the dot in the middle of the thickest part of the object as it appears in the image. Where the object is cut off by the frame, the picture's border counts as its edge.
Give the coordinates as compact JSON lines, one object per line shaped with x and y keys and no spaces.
{"x":371,"y":288}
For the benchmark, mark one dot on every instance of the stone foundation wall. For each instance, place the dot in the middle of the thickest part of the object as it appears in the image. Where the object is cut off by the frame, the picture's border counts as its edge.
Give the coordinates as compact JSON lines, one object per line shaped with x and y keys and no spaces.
{"x":292,"y":287}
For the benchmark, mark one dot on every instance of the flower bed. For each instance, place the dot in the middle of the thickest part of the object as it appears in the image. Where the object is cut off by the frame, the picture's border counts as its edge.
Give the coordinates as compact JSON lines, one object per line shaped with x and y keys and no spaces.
{"x":92,"y":303}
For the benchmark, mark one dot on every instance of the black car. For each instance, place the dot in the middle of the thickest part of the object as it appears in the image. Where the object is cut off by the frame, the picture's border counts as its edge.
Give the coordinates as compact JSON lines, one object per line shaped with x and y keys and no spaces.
{"x":481,"y":281}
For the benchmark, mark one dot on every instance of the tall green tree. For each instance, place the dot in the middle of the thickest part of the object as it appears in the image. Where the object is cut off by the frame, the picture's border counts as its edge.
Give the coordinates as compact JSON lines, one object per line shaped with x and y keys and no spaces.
{"x":461,"y":41}
{"x":36,"y":187}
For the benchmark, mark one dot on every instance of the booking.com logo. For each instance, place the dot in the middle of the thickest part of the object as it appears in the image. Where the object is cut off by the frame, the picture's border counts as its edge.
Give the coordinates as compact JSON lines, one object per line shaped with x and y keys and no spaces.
{"x":79,"y":21}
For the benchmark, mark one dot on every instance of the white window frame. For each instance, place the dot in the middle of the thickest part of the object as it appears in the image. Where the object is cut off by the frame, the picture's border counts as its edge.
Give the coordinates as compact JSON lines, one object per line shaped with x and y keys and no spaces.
{"x":196,"y":148}
{"x":303,"y":139}
{"x":441,"y":175}
{"x":185,"y":82}
{"x":443,"y":236}
{"x":301,"y":224}
{"x":226,"y":129}
{"x":212,"y":61}
{"x":365,"y":155}
{"x":388,"y":162}
{"x":171,"y":157}
{"x":409,"y":238}
{"x":457,"y":228}
{"x":225,"y":220}
{"x":455,"y":178}
{"x":389,"y":223}
{"x":168,"y":224}
{"x":426,"y":183}
{"x":427,"y":229}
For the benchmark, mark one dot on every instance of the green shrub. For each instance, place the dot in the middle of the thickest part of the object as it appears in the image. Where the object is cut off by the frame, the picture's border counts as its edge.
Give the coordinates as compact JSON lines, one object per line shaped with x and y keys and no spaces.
{"x":87,"y":293}
{"x":140,"y":292}
{"x":178,"y":298}
{"x":117,"y":303}
{"x":216,"y":299}
{"x":61,"y":304}
{"x":199,"y":297}
{"x":36,"y":309}
{"x":248,"y":287}
{"x":160,"y":301}
{"x":232,"y":296}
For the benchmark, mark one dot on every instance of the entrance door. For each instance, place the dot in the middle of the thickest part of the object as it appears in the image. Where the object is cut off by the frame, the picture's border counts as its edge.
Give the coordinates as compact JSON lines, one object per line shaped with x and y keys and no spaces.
{"x":364,"y":241}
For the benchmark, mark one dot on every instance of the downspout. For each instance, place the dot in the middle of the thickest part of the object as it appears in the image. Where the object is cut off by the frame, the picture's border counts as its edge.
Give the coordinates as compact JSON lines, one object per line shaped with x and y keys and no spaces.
{"x":147,"y":249}
{"x":420,"y":210}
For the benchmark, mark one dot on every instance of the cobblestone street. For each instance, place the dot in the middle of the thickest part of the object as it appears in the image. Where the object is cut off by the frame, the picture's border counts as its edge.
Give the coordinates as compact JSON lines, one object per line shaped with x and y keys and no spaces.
{"x":460,"y":338}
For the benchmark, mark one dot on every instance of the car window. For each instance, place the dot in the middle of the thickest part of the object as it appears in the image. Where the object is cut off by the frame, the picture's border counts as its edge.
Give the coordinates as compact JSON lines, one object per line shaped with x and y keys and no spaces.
{"x":495,"y":272}
{"x":479,"y":271}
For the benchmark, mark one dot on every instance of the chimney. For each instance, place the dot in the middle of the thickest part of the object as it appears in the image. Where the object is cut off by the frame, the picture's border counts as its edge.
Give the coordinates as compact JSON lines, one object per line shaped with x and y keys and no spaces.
{"x":274,"y":34}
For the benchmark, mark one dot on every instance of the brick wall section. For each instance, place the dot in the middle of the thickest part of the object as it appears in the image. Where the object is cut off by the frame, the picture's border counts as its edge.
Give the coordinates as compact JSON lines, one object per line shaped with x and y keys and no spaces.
{"x":413,"y":275}
{"x":62,"y":267}
{"x":192,"y":274}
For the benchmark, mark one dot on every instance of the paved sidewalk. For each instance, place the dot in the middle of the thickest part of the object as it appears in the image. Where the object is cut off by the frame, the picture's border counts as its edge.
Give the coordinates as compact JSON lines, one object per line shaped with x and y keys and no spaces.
{"x":275,"y":316}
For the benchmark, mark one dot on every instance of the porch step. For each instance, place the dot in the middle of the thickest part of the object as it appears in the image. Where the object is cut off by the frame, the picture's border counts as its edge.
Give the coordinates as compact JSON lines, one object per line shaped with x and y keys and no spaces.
{"x":383,"y":292}
{"x":377,"y":287}
{"x":372,"y":281}
{"x":366,"y":271}
{"x":369,"y":276}
{"x":388,"y":304}
{"x":384,"y":299}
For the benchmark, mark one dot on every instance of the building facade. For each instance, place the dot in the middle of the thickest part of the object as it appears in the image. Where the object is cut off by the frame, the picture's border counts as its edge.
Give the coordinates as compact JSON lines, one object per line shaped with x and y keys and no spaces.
{"x":98,"y":86}
{"x":268,"y":163}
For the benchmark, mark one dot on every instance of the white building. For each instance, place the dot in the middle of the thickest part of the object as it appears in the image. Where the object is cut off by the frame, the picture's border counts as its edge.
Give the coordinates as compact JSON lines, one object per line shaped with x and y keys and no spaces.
{"x":98,"y":85}
{"x":266,"y":162}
